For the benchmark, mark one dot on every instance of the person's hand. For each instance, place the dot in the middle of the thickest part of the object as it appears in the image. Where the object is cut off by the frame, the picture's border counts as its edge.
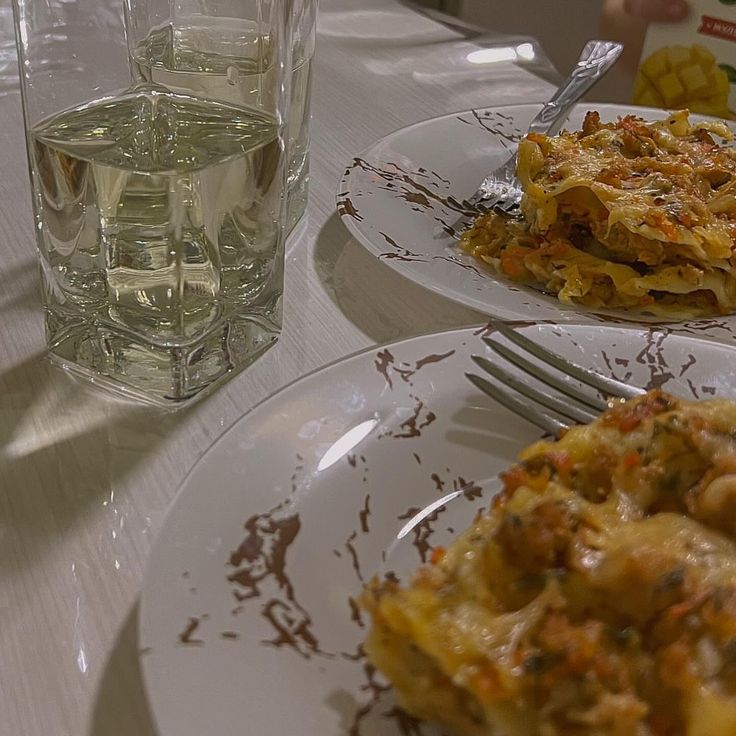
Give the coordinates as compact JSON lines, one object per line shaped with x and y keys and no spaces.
{"x":656,"y":11}
{"x":627,"y":20}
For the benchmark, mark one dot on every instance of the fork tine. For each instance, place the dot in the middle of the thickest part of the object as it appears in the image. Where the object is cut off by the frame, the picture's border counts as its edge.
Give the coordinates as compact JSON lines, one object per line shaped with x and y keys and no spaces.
{"x":609,"y":386}
{"x":530,"y":413}
{"x":482,"y":204}
{"x":509,"y":209}
{"x":504,"y":203}
{"x":550,"y":379}
{"x":571,"y":411}
{"x":479,"y":202}
{"x":465,"y":221}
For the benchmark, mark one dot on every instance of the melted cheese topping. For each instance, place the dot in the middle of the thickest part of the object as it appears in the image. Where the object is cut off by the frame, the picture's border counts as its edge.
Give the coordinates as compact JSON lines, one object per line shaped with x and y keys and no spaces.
{"x":597,"y":597}
{"x":625,"y":214}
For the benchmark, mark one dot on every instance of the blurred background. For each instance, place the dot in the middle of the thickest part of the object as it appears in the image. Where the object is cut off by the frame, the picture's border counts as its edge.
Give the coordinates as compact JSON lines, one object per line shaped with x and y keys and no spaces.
{"x":561,"y":26}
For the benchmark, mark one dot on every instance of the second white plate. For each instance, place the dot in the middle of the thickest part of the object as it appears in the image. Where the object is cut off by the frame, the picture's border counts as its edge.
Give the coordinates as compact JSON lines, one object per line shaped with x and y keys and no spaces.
{"x":248,"y":620}
{"x":400,"y":197}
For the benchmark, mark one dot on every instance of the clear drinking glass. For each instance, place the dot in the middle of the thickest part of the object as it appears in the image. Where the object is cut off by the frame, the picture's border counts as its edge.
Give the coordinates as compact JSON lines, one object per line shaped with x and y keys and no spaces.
{"x":160,"y":212}
{"x":219,"y":50}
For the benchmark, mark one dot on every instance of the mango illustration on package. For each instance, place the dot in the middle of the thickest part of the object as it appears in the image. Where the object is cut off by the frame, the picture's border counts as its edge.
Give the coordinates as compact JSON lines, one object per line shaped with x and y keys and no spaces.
{"x":690,"y":64}
{"x":682,"y":76}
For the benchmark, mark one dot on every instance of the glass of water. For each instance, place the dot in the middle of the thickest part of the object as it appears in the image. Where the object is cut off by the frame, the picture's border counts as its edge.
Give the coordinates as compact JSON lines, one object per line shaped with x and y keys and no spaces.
{"x":219,"y":50}
{"x":160,"y":206}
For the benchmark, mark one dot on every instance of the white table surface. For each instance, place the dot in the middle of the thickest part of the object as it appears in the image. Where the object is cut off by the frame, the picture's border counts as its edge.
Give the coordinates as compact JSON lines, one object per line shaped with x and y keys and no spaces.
{"x":85,"y":480}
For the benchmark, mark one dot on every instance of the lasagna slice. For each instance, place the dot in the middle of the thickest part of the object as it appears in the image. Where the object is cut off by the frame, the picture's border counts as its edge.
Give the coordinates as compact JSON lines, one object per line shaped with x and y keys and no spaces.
{"x":597,"y":596}
{"x":623,"y":215}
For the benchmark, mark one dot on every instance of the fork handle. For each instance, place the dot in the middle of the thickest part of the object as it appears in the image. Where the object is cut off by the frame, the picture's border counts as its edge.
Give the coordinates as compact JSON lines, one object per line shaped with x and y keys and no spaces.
{"x":595,"y":60}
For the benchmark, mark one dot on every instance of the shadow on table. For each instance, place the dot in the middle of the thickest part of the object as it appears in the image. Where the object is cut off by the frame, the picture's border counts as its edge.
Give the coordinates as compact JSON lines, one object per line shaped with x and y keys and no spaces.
{"x":21,"y":287}
{"x":121,"y":706}
{"x":380,"y":302}
{"x":64,"y":448}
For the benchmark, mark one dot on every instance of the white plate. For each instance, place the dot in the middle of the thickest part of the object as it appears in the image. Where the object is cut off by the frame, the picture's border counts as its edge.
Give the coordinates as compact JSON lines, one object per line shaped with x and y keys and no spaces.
{"x":311,"y":487}
{"x":399,"y":197}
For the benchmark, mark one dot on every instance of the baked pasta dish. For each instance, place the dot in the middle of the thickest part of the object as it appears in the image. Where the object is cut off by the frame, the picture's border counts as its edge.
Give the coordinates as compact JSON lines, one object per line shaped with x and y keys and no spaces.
{"x":597,"y":597}
{"x":628,"y":214}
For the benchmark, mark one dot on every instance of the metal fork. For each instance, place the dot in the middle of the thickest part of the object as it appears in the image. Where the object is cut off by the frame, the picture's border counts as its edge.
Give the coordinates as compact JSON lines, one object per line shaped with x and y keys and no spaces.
{"x":561,"y":401}
{"x":501,"y":189}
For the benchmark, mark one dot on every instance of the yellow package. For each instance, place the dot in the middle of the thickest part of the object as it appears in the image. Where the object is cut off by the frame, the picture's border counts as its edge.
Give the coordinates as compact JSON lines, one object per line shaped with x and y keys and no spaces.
{"x":691,"y":64}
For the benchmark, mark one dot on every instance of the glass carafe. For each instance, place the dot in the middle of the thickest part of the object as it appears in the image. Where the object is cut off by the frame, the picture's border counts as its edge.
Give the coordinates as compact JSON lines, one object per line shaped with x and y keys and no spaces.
{"x":160,"y":209}
{"x":215,"y":50}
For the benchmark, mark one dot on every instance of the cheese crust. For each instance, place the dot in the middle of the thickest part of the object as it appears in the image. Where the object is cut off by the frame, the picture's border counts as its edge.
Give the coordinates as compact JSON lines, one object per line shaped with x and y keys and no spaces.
{"x":626,"y":215}
{"x":597,"y":596}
